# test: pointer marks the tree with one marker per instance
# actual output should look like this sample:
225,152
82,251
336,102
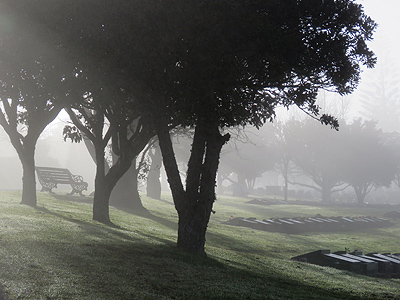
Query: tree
285,148
212,65
238,69
129,134
380,101
31,92
101,103
24,115
125,194
247,158
320,153
369,162
392,141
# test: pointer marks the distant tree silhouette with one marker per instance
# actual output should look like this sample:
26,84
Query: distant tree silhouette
380,100
246,158
369,163
319,153
358,155
285,149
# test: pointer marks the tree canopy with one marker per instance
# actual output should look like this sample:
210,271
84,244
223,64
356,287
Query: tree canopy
208,65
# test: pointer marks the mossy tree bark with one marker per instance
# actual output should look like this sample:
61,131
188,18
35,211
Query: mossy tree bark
194,204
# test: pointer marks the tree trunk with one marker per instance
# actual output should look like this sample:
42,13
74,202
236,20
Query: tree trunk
194,206
285,174
285,189
100,202
360,194
220,180
153,188
102,189
27,158
326,194
240,188
171,166
192,227
195,216
125,194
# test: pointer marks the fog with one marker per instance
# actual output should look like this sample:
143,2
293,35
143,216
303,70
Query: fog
111,91
51,151
377,98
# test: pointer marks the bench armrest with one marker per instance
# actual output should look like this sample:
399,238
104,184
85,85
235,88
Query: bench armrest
77,178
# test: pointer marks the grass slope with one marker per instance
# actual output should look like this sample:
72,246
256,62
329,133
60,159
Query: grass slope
57,252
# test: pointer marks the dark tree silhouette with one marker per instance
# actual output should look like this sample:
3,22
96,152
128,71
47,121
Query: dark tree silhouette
211,65
239,61
129,134
31,90
26,110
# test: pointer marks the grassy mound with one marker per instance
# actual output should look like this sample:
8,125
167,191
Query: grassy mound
57,252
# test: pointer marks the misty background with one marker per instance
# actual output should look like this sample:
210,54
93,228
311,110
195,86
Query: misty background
249,163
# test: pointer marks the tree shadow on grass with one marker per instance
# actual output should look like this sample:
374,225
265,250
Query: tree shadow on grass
100,231
222,240
140,212
148,215
159,264
218,239
73,198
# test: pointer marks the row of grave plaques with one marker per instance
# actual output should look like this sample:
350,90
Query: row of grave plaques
373,264
310,224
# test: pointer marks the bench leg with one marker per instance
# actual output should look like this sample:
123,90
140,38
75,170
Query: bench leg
44,189
76,191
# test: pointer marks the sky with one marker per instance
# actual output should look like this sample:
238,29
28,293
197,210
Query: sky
386,43
386,38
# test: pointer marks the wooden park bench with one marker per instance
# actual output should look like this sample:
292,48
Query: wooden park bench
50,177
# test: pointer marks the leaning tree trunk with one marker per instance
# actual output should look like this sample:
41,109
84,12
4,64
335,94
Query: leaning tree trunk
101,201
125,194
27,158
104,184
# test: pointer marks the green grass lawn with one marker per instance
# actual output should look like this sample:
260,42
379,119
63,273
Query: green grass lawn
57,252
